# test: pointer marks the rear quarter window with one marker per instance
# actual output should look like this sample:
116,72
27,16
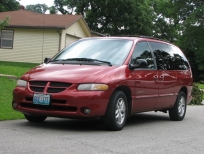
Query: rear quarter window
168,57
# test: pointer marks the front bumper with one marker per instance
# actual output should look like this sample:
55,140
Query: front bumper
69,103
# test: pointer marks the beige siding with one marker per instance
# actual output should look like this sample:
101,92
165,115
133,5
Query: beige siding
31,45
70,39
77,30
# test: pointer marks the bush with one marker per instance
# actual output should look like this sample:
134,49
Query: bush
197,95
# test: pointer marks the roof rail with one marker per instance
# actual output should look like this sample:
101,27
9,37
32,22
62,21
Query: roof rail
143,36
151,37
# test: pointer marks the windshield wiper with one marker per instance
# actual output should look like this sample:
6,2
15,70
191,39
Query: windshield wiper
87,59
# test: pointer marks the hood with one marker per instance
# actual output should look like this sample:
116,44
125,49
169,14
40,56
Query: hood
68,73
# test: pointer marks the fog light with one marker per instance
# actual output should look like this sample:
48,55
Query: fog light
14,104
87,111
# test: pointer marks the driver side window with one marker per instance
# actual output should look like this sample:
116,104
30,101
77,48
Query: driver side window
143,52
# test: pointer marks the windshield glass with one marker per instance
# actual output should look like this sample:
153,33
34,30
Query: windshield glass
114,51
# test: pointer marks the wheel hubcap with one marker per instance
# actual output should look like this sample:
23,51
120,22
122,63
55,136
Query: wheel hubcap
181,106
120,111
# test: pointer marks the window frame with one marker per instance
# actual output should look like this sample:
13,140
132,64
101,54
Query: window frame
12,39
150,50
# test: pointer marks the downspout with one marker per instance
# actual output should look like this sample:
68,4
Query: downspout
59,48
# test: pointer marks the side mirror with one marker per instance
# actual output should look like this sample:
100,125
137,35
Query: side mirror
140,63
46,59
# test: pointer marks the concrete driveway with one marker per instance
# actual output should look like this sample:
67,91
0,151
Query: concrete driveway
144,133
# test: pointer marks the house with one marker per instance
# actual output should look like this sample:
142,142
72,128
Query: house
30,36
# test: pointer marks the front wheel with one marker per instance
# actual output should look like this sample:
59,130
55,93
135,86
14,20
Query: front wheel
116,112
178,112
36,119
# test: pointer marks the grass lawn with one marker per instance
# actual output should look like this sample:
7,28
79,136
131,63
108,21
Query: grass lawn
6,110
15,68
201,86
7,86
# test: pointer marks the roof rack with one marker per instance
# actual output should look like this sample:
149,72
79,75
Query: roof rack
143,36
151,37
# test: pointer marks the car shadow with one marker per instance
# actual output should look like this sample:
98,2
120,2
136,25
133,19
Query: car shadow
93,125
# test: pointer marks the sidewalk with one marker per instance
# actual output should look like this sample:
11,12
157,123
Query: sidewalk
9,76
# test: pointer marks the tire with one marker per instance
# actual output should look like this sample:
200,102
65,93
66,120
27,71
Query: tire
116,112
177,113
35,119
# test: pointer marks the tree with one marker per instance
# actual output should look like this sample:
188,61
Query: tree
4,23
182,22
39,8
113,17
191,40
8,5
52,10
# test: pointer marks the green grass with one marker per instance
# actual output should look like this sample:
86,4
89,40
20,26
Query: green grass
15,68
201,86
6,110
7,86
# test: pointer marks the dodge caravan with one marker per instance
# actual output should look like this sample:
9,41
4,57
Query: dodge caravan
109,78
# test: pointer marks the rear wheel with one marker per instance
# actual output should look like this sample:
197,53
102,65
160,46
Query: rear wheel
178,112
116,112
35,118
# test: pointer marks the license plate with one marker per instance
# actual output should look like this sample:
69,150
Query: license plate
42,99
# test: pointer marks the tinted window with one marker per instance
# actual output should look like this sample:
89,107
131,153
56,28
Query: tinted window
168,57
180,61
163,56
142,51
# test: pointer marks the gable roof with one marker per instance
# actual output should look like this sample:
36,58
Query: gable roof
28,19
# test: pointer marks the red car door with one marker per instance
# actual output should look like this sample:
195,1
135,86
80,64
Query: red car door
146,84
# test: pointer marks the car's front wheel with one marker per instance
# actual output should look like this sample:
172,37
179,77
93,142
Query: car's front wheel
178,112
35,118
116,112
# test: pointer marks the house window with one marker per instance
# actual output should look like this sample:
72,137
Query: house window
6,38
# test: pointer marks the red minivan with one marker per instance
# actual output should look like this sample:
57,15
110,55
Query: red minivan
109,78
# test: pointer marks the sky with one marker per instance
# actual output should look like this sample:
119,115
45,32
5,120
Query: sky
28,2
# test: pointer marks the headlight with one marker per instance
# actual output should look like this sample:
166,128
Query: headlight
93,87
21,83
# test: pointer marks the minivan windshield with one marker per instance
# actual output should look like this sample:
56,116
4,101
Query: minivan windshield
111,51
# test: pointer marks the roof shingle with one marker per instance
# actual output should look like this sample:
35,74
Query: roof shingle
25,18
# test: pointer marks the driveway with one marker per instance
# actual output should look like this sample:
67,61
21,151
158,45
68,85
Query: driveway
144,133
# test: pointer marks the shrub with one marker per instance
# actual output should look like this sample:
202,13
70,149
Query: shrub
197,95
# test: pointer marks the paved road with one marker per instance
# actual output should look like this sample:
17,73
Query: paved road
144,133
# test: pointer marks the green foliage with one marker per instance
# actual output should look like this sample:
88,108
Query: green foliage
8,5
15,68
197,95
52,10
6,110
4,23
38,8
113,17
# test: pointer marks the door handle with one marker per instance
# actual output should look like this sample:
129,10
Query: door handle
161,77
155,77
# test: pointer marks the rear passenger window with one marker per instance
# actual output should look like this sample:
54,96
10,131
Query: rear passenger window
180,61
164,59
142,51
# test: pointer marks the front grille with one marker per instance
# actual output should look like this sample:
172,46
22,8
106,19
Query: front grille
59,84
52,87
37,89
55,90
38,83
